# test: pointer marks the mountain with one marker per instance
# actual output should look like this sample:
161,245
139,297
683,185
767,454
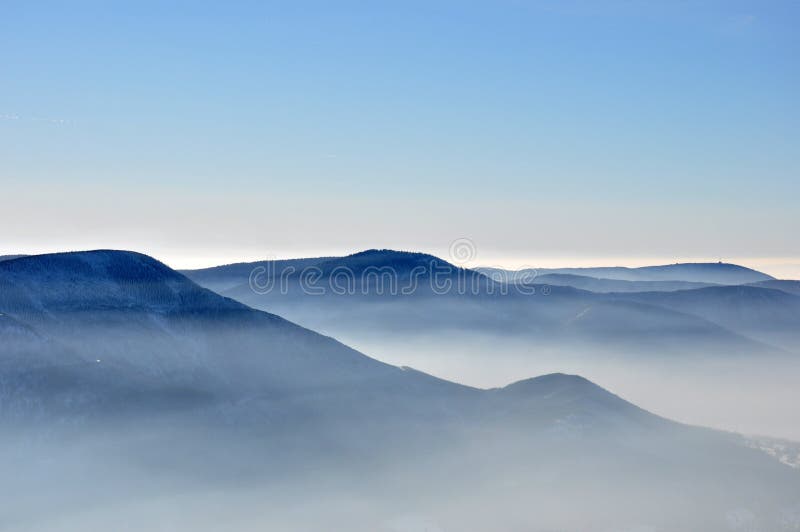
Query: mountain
221,278
111,280
385,292
141,322
558,395
371,272
116,326
790,287
129,312
127,391
709,273
768,314
594,284
10,257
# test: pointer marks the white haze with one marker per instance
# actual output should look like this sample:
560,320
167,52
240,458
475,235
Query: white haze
748,395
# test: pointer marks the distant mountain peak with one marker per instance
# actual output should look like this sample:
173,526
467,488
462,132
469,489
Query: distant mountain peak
400,261
697,272
94,261
571,401
392,254
551,383
562,387
389,252
99,279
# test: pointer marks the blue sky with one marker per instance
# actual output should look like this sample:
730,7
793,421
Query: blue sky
544,131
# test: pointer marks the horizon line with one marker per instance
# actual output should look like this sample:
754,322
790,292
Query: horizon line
786,267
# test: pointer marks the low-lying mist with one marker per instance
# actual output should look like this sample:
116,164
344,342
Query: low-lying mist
202,479
751,395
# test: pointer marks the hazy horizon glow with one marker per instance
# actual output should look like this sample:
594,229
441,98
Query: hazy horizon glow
779,267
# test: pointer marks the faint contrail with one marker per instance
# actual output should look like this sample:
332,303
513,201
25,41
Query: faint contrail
10,117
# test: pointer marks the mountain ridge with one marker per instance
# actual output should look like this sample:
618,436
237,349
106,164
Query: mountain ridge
699,272
84,272
171,381
474,302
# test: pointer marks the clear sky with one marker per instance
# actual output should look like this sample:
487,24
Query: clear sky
547,132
